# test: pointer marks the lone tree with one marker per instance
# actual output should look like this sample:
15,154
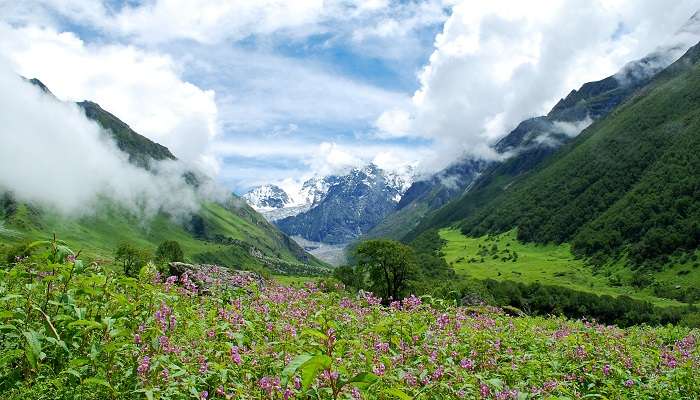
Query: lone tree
131,258
389,264
169,251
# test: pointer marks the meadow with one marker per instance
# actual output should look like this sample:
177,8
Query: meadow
71,330
503,257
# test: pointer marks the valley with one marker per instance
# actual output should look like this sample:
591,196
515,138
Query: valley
349,200
553,265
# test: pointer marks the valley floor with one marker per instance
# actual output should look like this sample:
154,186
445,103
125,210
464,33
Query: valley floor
503,257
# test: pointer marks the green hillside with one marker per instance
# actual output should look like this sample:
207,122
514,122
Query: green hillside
627,186
502,257
229,233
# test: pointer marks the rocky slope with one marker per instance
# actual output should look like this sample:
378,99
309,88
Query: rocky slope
351,206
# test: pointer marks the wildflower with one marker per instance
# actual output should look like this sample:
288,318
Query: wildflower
412,302
269,384
355,393
410,379
204,395
220,391
381,347
629,383
137,338
606,369
379,369
485,390
235,356
467,364
144,366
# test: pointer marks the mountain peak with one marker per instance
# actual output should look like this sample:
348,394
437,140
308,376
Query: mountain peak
267,197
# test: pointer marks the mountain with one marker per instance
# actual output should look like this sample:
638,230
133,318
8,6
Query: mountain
427,194
267,197
227,232
344,207
627,187
535,140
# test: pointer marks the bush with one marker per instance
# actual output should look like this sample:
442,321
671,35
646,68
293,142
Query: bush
169,251
131,258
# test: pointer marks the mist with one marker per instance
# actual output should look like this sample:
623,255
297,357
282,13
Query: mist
51,155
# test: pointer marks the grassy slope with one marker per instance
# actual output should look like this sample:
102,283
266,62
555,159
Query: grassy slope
225,233
101,234
547,264
611,187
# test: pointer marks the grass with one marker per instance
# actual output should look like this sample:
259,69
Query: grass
543,263
100,233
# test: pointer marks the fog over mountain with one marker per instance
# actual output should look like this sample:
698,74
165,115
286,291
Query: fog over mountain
54,156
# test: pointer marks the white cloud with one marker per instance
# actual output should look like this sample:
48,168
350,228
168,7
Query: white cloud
52,155
394,122
259,90
496,63
143,88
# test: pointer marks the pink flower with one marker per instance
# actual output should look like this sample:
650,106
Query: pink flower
467,364
235,356
485,390
144,365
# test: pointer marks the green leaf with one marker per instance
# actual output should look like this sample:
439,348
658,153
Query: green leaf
312,367
314,333
293,366
363,380
97,382
33,348
10,356
399,394
89,325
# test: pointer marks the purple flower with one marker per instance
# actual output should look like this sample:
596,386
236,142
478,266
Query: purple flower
485,390
467,364
144,365
629,383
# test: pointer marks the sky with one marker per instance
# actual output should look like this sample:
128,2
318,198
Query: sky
260,91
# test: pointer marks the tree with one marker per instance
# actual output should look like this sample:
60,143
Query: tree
131,258
350,276
389,264
169,251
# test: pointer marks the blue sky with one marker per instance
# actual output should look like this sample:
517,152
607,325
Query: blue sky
278,91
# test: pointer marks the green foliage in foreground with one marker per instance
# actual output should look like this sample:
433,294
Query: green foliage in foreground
72,331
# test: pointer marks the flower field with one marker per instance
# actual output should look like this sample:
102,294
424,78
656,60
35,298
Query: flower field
73,331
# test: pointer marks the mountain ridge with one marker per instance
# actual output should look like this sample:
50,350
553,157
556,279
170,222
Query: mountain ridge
227,232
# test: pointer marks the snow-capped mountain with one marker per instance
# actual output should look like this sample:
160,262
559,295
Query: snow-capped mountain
334,208
267,197
275,203
346,206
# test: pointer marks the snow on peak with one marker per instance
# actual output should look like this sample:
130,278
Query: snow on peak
267,197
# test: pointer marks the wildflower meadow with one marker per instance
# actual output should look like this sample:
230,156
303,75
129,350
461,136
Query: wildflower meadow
75,331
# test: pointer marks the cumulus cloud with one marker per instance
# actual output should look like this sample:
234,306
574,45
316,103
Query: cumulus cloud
497,63
143,88
52,155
